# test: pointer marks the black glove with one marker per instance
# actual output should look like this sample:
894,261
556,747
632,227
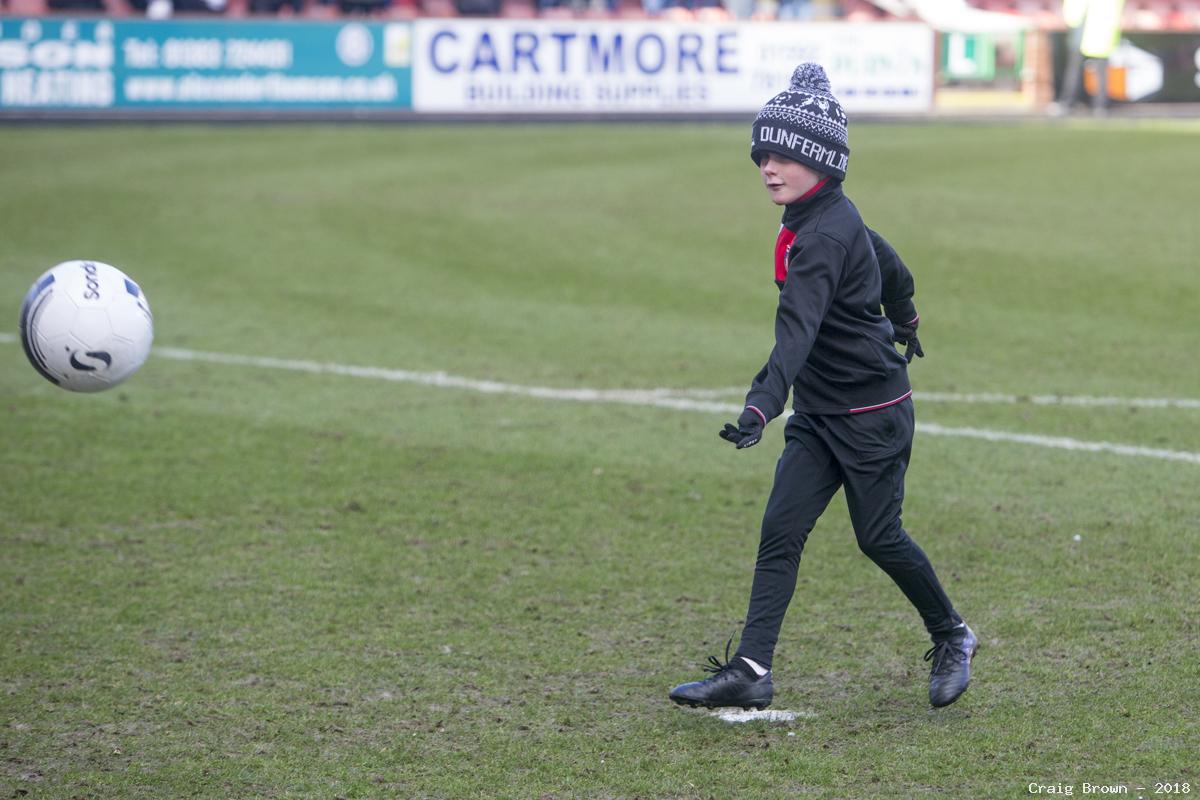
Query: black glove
748,431
907,335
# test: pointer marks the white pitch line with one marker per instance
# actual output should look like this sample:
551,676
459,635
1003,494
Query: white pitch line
1058,400
999,398
658,398
639,395
1060,442
653,397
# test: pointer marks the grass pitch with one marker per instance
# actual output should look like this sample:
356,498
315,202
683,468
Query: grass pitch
224,580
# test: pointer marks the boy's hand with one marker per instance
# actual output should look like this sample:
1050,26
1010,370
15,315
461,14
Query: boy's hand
907,336
748,431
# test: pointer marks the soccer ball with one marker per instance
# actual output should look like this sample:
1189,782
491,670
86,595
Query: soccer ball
86,326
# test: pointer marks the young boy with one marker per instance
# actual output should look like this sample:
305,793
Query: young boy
853,421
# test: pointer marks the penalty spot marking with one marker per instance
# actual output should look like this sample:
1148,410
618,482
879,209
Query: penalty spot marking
659,398
738,716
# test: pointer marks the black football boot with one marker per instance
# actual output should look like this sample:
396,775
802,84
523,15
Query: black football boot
733,683
951,670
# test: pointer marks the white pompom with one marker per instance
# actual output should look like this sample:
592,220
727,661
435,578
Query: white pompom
811,78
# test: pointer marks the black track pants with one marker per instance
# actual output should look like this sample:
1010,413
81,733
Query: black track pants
867,454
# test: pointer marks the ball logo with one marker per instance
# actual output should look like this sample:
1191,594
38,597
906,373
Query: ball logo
93,281
98,355
85,325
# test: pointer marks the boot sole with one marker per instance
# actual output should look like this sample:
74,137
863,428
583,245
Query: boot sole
753,705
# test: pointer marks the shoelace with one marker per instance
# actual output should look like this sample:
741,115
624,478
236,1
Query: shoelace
943,655
717,667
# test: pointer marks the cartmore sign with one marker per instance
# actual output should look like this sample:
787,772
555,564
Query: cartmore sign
129,64
493,66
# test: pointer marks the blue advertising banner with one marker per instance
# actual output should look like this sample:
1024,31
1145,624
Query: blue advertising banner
80,64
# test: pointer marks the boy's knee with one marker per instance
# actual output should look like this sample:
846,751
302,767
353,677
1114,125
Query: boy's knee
884,545
780,540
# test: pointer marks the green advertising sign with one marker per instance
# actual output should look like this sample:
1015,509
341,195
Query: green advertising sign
968,57
981,57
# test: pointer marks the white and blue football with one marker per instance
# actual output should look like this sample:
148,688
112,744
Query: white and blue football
86,326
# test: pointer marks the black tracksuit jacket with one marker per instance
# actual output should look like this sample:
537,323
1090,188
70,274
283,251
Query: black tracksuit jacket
833,341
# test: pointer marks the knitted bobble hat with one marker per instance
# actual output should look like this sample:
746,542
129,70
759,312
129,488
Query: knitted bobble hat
805,123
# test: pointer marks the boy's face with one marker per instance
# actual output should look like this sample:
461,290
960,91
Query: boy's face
786,180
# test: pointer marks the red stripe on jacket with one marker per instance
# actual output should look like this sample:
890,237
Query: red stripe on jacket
783,243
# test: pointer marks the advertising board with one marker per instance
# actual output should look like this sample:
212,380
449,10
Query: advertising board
98,64
523,66
1145,67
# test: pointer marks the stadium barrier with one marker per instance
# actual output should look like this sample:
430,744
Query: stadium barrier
450,66
431,67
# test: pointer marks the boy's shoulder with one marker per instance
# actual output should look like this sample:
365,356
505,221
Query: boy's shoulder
838,220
